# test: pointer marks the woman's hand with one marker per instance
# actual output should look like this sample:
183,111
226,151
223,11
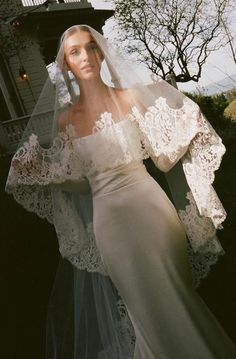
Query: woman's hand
164,163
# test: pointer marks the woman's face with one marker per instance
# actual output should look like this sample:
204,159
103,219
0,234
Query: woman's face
82,55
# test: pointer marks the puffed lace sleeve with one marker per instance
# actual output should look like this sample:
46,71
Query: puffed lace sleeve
177,130
34,170
51,183
170,134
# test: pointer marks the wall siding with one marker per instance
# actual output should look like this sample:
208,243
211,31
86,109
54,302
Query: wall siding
35,67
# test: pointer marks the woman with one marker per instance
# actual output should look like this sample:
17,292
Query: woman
131,292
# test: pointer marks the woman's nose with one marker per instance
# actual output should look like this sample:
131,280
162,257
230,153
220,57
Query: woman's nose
84,55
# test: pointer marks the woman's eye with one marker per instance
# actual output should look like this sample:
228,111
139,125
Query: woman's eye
75,52
93,47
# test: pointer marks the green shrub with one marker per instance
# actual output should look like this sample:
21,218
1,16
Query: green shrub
230,111
213,108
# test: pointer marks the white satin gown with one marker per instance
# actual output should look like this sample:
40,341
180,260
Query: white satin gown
143,247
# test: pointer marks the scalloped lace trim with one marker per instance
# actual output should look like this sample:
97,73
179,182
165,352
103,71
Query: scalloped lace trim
86,256
76,240
167,130
126,335
204,158
204,248
201,262
200,229
34,165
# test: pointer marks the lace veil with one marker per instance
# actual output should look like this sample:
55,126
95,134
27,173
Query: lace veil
49,176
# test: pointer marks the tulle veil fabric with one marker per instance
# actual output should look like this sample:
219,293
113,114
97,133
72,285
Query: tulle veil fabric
86,316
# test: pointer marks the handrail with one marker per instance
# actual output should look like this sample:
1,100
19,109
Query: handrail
40,2
11,131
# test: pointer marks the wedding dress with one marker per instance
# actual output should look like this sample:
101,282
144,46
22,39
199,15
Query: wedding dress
144,251
142,247
130,293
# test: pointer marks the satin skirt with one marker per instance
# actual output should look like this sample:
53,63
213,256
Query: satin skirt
143,246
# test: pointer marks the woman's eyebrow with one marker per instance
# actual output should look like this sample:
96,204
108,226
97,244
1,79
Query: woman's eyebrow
77,45
91,42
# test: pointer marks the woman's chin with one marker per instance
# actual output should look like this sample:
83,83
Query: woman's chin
91,75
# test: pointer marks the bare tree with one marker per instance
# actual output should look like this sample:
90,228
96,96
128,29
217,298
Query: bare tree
226,21
171,36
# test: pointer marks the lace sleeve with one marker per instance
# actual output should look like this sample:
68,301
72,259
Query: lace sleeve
35,169
33,164
50,182
167,132
170,134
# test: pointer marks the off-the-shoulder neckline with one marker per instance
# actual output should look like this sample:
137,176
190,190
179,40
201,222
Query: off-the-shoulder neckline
133,115
100,125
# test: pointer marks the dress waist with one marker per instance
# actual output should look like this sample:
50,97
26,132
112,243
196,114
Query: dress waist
117,178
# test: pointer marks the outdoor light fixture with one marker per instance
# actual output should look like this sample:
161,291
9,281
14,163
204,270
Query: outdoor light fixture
22,73
15,23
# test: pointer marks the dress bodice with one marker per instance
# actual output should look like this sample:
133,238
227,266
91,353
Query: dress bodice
111,157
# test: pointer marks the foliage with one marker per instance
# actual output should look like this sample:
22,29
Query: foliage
12,40
9,9
231,94
213,107
230,111
228,24
171,35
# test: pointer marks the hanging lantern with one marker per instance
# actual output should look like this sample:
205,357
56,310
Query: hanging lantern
23,74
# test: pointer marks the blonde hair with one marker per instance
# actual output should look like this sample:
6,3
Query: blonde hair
71,30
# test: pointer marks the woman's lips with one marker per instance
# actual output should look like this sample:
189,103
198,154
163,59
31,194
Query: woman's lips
87,67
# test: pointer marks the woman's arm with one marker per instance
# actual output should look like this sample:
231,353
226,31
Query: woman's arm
163,162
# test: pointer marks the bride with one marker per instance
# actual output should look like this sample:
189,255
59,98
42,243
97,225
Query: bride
135,255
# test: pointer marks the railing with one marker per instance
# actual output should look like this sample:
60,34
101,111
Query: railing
11,131
40,2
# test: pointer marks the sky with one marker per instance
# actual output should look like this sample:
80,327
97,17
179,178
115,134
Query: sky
218,65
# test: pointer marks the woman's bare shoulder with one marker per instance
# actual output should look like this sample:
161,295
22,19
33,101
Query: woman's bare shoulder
129,95
133,98
66,118
62,120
